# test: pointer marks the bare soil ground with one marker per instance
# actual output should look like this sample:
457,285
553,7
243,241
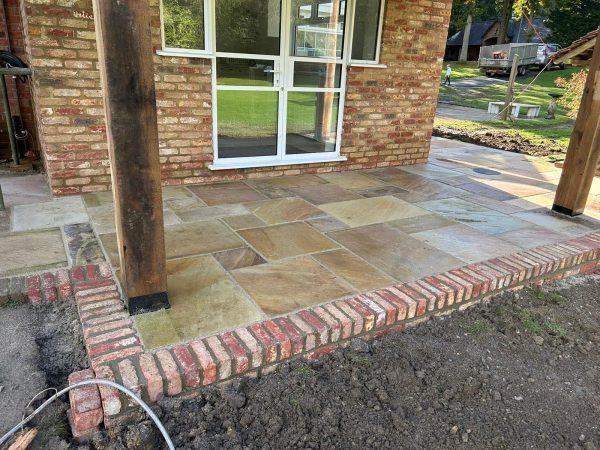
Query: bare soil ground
41,346
499,139
519,372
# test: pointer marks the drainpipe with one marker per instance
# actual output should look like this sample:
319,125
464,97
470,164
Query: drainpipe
6,107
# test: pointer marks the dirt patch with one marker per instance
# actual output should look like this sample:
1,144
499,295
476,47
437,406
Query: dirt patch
500,139
519,372
44,345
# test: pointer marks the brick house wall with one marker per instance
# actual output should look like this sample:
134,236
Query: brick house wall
388,117
12,39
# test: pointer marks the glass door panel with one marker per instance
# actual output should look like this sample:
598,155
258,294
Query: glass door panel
317,75
248,26
317,28
247,72
312,120
247,123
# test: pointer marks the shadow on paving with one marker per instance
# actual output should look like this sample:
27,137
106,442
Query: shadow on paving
519,372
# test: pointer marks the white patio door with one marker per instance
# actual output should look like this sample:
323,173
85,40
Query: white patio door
278,81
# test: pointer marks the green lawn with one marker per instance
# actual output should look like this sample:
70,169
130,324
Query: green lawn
541,130
461,70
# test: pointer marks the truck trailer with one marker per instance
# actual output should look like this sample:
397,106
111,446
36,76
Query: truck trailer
498,59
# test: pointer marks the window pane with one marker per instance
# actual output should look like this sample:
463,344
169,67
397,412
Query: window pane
320,34
248,26
244,72
319,75
184,24
247,123
312,122
366,30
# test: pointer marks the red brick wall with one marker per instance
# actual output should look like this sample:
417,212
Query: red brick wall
12,39
388,117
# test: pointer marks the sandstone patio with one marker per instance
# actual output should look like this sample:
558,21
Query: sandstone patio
242,252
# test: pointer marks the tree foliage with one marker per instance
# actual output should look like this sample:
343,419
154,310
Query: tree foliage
478,9
571,19
574,88
184,23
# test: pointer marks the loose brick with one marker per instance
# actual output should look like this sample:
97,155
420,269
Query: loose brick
111,401
64,284
429,297
419,299
393,299
85,398
370,305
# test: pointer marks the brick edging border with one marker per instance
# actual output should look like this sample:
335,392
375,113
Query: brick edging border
117,353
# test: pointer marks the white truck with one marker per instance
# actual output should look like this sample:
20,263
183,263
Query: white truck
498,59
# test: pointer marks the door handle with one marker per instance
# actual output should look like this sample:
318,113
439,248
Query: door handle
271,71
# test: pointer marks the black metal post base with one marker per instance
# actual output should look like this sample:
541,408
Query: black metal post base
148,303
565,211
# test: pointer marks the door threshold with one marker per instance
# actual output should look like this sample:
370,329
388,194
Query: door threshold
228,165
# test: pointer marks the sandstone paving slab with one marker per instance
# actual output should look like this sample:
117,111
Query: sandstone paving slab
238,258
466,243
287,240
55,213
351,180
429,170
285,286
223,193
186,239
203,301
200,213
571,226
532,237
31,251
355,270
476,216
356,213
283,210
103,218
394,252
488,191
382,191
317,194
422,223
326,223
243,222
288,181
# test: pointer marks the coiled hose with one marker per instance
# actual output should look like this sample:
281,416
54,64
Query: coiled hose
112,384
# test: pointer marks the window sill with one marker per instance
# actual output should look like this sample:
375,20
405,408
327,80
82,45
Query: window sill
369,65
225,165
184,54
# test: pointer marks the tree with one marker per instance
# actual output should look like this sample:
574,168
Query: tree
505,16
478,9
571,19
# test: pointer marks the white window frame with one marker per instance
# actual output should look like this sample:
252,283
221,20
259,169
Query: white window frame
190,52
367,63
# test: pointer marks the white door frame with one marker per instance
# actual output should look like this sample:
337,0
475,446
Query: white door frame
285,63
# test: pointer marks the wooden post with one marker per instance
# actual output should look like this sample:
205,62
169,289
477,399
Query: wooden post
510,89
584,149
125,54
